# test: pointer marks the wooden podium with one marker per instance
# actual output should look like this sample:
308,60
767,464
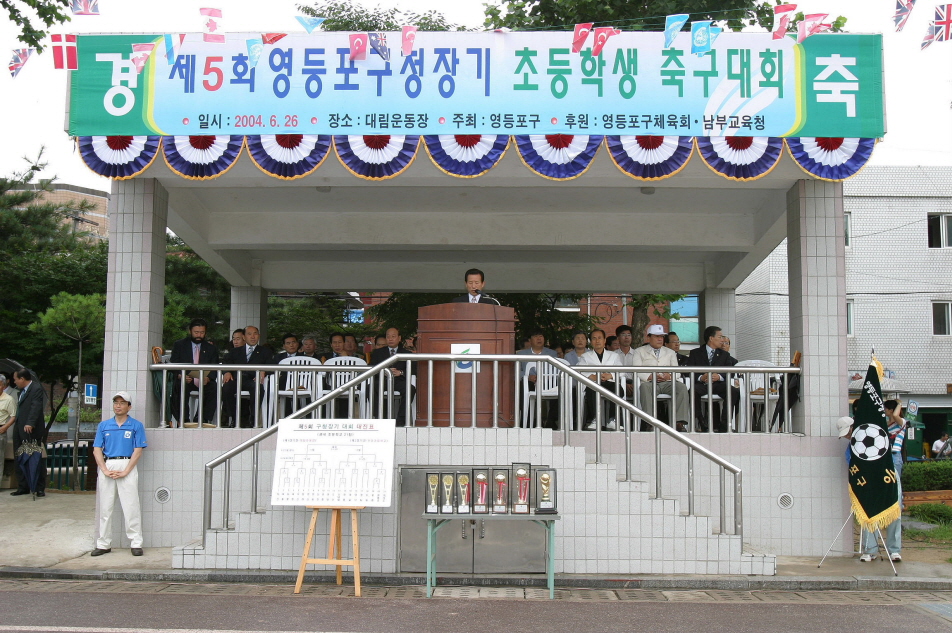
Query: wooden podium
493,329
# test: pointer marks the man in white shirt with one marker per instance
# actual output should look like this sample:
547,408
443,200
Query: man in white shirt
655,354
601,357
942,447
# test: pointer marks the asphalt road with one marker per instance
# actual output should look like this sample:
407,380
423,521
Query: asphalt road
82,612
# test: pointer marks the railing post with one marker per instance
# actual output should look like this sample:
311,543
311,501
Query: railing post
739,505
226,495
162,406
722,477
429,394
495,394
207,504
690,482
472,399
254,478
657,448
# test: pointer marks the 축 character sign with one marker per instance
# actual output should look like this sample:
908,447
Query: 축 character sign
482,83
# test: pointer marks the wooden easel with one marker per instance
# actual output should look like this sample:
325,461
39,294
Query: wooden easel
333,546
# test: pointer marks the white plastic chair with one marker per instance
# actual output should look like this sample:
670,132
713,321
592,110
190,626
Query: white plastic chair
548,382
338,378
298,385
753,383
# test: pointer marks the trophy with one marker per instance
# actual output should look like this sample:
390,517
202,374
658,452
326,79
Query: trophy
448,493
432,493
545,495
481,498
500,491
462,500
520,491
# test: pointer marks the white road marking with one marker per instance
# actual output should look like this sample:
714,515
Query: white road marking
99,629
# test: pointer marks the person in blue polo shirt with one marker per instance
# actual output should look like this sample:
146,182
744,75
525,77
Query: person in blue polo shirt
117,447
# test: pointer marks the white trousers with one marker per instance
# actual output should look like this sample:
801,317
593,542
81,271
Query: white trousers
128,489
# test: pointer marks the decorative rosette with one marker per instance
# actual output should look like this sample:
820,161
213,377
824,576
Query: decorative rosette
831,158
466,155
289,156
650,157
740,157
377,157
201,157
558,156
119,157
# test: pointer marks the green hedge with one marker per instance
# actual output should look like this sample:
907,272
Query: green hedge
93,416
922,476
932,513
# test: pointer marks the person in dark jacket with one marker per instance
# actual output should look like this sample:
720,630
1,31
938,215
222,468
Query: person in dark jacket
30,426
711,355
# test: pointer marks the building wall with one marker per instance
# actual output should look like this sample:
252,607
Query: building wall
96,220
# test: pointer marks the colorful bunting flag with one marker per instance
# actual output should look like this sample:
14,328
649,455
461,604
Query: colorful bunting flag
309,23
358,47
64,52
84,7
20,56
700,36
715,31
378,42
943,22
672,26
255,47
929,38
408,40
271,38
602,34
903,11
783,13
173,42
211,27
140,55
581,34
811,25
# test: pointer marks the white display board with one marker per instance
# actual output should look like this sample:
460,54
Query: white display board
334,463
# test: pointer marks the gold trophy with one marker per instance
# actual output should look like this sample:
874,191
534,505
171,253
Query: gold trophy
448,493
463,491
434,483
546,480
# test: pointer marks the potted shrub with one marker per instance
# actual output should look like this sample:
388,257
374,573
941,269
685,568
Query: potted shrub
927,482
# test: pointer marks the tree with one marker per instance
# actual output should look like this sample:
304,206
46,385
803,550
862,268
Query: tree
347,15
643,306
317,315
193,290
646,15
49,12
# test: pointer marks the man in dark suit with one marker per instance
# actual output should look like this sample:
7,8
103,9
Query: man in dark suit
30,426
475,280
195,350
673,342
399,370
251,353
711,355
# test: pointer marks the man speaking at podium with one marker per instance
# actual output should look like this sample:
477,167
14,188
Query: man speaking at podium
475,280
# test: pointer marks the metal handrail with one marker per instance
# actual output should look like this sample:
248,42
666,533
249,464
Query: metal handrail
368,372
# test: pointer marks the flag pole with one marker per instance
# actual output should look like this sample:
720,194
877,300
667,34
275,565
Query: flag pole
836,538
882,540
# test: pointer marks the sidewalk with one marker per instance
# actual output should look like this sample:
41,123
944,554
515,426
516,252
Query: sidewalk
52,537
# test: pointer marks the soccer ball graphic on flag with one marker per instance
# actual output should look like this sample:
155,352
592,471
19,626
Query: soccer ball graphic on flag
869,442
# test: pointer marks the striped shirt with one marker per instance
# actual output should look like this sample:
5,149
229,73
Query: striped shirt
897,434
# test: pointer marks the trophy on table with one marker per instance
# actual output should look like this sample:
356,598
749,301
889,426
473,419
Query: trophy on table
481,493
545,495
463,492
522,474
500,490
432,493
448,493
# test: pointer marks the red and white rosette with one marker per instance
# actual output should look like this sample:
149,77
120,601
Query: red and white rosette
376,157
289,156
740,157
650,157
119,157
466,155
558,156
202,157
831,158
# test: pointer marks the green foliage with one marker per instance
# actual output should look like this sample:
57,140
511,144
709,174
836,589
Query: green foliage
533,311
346,15
24,14
193,290
77,321
937,513
647,15
317,315
924,476
86,415
643,306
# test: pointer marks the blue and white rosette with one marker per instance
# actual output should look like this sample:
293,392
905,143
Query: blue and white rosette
119,157
740,157
831,158
466,155
376,157
650,157
202,157
558,156
289,156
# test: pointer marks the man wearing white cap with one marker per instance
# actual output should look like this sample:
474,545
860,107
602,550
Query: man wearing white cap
117,448
655,354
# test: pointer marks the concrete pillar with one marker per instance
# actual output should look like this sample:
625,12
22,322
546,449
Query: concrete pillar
816,269
249,306
135,293
717,308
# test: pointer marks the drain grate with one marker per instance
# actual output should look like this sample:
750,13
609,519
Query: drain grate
535,593
502,592
406,592
456,592
688,596
640,595
778,596
731,596
593,594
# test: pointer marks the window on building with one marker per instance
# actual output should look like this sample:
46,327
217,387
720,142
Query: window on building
687,324
848,227
942,318
940,230
849,318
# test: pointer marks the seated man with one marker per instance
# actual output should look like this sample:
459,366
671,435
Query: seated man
942,447
194,350
600,356
250,353
673,342
399,371
537,348
309,347
655,354
350,345
711,355
579,347
238,338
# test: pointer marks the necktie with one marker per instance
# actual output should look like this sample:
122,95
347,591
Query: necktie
472,298
657,353
195,351
393,351
710,356
251,350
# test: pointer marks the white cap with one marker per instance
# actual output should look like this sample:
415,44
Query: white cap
656,329
844,424
124,395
